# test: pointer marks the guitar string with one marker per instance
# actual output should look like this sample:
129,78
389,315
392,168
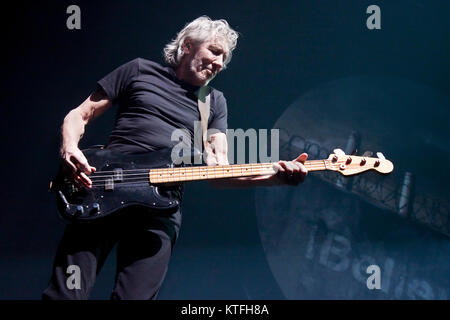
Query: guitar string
176,169
308,163
168,168
318,162
186,177
246,164
190,171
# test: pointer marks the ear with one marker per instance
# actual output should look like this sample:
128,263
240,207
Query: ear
187,46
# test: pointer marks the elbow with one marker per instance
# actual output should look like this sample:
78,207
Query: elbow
86,114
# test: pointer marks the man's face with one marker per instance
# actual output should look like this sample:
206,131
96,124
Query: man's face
203,61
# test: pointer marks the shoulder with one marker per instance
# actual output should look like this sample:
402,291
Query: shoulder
126,69
218,102
217,94
132,64
149,65
217,97
141,63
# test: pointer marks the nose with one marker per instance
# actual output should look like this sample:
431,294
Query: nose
218,62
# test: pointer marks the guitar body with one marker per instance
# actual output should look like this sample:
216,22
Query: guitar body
121,181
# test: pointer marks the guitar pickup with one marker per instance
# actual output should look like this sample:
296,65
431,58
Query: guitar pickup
118,175
109,184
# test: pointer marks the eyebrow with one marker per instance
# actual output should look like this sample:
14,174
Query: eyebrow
217,47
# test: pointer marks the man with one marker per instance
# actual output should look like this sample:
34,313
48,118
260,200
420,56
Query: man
153,101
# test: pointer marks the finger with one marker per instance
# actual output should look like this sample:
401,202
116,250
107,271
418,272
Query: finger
291,168
302,158
277,167
82,163
77,181
85,167
298,175
297,166
303,169
86,181
281,166
69,164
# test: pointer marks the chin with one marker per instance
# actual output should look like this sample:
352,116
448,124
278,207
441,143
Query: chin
202,80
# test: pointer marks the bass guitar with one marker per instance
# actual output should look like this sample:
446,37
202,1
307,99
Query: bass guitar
153,181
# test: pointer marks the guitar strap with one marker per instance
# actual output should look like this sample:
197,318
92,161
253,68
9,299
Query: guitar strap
204,106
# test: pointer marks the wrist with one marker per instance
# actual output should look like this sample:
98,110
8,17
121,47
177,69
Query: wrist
65,147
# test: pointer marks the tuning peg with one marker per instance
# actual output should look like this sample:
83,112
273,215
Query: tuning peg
367,154
380,156
339,152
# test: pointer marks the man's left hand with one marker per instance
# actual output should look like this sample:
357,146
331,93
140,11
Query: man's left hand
291,172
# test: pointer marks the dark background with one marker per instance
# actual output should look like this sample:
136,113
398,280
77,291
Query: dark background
285,49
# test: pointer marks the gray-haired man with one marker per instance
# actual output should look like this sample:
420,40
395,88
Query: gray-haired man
153,100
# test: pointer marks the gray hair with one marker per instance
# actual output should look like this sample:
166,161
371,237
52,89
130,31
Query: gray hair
200,30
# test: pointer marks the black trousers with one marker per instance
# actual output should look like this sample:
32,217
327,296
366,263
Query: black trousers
144,246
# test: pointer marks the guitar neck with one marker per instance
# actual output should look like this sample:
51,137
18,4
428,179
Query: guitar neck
167,175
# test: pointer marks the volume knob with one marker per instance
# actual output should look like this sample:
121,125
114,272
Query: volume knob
95,208
79,210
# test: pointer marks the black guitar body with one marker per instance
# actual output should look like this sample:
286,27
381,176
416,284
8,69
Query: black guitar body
121,181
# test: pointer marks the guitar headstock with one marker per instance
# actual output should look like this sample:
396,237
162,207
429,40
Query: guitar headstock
349,165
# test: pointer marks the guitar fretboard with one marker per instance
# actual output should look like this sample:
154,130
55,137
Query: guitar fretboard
166,175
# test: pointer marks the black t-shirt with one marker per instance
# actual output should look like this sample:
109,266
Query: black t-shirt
152,104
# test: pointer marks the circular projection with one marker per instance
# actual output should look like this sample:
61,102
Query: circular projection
320,237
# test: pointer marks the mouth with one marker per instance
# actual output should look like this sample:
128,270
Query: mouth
206,72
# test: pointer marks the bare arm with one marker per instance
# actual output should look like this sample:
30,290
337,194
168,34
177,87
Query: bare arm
72,131
288,172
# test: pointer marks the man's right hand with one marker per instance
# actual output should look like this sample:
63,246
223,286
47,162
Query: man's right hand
77,165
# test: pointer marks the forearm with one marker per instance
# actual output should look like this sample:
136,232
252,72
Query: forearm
76,120
72,129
